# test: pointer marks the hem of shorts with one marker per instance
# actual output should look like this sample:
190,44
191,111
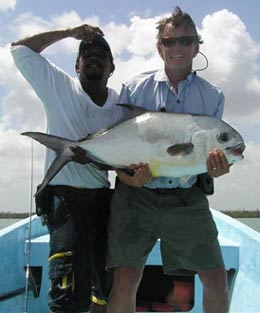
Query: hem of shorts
171,271
113,265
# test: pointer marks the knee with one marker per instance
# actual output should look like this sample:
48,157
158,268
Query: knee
215,280
127,279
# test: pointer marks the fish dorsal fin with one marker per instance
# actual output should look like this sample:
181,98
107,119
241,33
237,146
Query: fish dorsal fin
180,149
133,110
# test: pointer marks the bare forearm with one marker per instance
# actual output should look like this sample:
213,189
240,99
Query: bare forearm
43,40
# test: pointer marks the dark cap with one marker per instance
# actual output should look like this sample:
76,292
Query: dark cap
98,41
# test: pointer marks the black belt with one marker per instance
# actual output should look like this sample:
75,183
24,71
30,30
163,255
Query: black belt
95,191
165,191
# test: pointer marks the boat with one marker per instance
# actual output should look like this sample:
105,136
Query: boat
24,284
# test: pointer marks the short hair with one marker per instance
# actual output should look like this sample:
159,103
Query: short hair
177,18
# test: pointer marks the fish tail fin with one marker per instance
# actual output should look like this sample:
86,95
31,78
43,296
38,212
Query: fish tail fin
54,168
63,150
55,143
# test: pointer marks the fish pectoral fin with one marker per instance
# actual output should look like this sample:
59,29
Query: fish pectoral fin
180,149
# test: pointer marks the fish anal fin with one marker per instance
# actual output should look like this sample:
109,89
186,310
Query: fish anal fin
180,149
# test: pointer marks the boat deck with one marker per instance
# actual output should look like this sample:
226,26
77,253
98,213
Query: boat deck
230,250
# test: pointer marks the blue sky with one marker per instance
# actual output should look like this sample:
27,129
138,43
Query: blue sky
231,34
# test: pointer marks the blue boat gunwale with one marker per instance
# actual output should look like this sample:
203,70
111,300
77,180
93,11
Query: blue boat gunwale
234,237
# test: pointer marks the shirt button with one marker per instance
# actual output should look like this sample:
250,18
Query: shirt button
178,101
170,181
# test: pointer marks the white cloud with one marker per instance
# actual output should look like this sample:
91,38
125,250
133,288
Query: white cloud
143,36
6,5
21,107
233,65
15,163
233,62
240,188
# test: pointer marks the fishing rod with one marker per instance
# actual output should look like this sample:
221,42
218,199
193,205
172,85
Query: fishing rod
28,241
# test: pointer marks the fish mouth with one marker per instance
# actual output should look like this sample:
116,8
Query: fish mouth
237,149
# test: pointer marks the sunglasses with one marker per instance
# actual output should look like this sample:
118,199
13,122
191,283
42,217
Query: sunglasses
183,41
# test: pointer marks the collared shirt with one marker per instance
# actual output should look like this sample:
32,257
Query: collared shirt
153,91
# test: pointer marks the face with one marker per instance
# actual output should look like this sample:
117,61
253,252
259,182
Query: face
94,64
178,57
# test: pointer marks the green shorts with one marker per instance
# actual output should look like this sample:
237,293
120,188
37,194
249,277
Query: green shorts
180,218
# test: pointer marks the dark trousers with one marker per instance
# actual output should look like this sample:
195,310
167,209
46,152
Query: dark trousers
77,223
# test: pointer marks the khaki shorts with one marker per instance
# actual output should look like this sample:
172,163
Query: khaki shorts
179,217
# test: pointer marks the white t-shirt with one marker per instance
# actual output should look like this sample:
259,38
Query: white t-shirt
70,113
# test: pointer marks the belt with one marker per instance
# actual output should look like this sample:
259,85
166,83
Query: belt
165,191
63,189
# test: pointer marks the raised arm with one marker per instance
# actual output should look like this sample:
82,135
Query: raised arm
41,41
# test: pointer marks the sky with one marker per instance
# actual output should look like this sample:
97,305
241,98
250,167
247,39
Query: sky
231,33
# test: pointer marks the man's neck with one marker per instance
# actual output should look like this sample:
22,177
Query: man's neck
176,77
97,91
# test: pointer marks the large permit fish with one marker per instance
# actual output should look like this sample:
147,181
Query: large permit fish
173,144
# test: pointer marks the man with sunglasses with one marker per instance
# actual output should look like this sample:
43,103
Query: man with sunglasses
172,209
76,204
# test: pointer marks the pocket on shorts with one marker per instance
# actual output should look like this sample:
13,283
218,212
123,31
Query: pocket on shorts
124,217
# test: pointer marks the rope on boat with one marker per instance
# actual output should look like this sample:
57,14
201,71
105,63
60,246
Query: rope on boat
28,241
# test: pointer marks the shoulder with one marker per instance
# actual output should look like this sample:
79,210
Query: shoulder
140,79
112,93
206,85
112,98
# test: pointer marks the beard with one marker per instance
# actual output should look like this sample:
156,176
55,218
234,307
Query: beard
94,76
94,73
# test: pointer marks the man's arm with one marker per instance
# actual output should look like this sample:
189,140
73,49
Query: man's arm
142,175
41,41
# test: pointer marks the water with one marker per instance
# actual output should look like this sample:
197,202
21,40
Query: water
4,222
251,222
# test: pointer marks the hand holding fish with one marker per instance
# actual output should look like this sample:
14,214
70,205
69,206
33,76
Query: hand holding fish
142,175
85,32
217,163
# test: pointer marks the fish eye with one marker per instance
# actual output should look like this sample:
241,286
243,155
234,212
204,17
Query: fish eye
223,137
